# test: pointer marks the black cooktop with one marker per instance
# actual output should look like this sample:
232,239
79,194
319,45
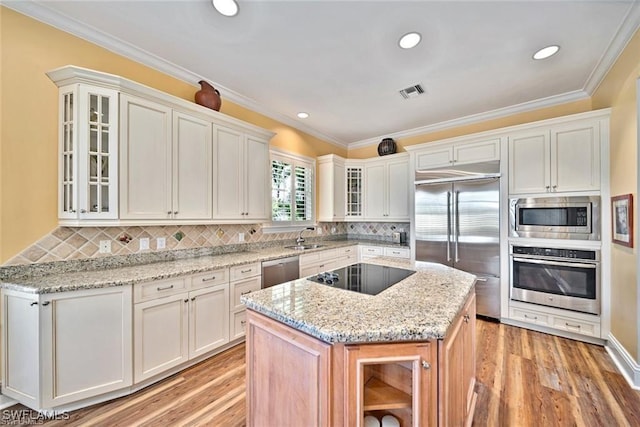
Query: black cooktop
364,278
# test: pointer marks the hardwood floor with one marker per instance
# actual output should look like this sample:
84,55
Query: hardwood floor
524,378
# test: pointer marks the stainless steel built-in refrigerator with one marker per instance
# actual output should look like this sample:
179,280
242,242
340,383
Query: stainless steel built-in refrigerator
457,224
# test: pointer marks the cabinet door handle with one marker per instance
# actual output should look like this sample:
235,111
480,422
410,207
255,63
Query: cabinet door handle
175,212
209,279
168,212
165,288
193,298
246,271
83,211
426,365
245,292
530,317
46,303
569,325
186,300
34,303
243,322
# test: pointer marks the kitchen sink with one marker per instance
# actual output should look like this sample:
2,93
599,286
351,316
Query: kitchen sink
303,247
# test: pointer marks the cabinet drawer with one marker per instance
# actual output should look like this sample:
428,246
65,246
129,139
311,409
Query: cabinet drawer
242,287
316,257
372,251
529,316
576,326
210,278
243,271
238,322
346,251
398,252
158,288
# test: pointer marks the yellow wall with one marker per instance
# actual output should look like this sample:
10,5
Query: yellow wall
28,135
618,91
516,119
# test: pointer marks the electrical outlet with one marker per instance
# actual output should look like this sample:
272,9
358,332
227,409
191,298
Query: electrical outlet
144,243
105,246
318,230
240,237
161,243
333,230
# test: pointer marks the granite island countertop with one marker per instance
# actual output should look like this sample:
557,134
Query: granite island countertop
418,308
100,273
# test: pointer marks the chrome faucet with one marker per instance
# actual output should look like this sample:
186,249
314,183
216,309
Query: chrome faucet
300,240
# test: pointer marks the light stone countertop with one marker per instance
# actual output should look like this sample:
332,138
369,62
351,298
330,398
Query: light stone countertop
54,280
418,308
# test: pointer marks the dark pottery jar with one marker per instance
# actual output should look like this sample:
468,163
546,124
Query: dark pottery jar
208,96
387,146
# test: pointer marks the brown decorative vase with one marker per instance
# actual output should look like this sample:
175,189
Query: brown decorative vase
208,96
387,146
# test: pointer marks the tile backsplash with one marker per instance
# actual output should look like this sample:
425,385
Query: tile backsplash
72,243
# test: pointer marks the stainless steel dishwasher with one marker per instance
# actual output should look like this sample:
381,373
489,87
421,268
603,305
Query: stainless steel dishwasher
280,271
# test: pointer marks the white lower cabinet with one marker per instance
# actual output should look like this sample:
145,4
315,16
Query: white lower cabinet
245,278
566,321
60,348
170,330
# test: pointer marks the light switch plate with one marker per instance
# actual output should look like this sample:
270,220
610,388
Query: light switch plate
105,246
144,243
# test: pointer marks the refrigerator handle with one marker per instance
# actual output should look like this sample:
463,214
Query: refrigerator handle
449,221
456,224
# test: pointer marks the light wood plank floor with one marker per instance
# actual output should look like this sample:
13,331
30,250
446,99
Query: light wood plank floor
525,379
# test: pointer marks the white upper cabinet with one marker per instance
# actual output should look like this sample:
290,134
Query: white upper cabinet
331,194
145,175
130,154
386,189
447,155
561,158
88,154
192,167
242,176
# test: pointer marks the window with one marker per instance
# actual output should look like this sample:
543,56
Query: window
292,189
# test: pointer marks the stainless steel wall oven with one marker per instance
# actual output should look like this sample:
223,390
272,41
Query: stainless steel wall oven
556,277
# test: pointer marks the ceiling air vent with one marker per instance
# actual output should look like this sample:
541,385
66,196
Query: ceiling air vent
412,91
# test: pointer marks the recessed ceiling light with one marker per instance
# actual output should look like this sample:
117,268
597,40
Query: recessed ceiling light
410,40
303,115
226,7
546,52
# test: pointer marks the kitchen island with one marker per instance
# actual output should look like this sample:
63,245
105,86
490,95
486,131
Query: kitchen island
322,356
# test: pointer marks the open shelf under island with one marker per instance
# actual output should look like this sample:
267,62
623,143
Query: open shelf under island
321,356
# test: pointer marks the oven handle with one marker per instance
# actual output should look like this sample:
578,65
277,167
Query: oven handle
562,264
449,226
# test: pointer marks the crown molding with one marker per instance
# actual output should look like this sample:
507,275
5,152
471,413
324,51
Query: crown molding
629,26
478,118
40,12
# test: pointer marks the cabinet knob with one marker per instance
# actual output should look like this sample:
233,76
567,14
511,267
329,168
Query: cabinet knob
547,187
426,365
186,300
175,212
243,322
168,212
193,298
555,187
72,211
466,318
83,211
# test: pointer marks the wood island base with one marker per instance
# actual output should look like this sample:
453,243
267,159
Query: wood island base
296,379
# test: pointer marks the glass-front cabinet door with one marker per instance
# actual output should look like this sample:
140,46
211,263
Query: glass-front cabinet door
88,153
395,384
354,192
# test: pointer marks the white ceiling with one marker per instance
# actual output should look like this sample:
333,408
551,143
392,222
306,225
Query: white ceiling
339,60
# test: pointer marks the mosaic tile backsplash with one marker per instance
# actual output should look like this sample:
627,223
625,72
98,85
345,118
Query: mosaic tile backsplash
74,243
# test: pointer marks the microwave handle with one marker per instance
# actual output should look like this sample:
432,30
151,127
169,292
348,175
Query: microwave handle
558,263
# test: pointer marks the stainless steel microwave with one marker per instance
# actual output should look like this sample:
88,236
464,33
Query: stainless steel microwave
556,217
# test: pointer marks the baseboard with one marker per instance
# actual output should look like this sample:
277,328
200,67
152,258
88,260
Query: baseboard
627,366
